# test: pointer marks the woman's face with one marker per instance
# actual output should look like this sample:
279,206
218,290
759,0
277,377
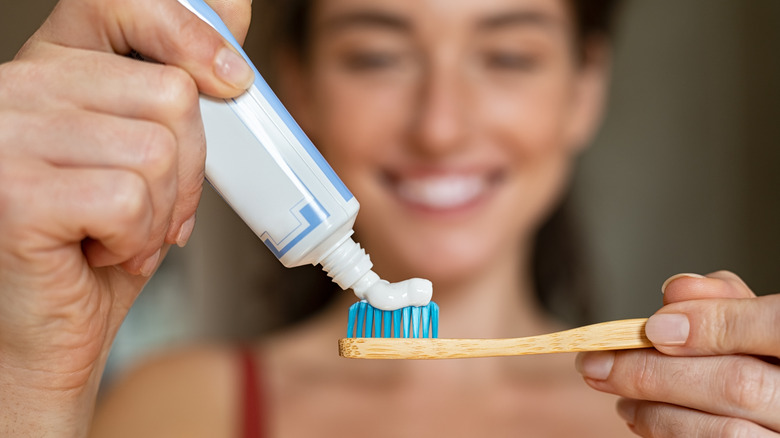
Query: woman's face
454,123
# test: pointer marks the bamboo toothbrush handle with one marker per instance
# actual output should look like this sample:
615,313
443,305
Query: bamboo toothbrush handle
613,335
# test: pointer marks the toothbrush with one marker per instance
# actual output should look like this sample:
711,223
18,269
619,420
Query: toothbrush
613,335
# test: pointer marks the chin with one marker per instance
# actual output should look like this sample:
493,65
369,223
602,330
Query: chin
441,262
457,273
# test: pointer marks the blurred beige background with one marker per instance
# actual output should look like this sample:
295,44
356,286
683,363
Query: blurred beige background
684,176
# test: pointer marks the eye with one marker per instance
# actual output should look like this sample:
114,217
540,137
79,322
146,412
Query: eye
509,60
367,61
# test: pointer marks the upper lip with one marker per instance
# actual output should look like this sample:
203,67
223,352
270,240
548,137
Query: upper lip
396,174
456,166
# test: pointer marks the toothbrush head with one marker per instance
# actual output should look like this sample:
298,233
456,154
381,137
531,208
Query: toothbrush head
365,321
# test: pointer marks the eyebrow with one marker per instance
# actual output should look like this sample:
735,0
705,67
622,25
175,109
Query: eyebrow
517,18
397,23
367,18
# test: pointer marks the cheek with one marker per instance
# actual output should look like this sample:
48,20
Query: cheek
530,123
530,119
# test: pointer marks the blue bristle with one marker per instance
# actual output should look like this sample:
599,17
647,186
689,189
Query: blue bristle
397,323
369,326
408,322
415,322
426,318
377,323
434,308
360,332
351,322
388,319
407,312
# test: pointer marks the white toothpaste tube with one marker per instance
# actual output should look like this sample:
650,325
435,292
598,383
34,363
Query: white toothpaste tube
267,169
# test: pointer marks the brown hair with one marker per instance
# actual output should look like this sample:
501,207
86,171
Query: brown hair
288,21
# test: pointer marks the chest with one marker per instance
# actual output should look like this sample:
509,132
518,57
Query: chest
451,412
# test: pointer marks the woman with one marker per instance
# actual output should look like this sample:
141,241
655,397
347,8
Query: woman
406,99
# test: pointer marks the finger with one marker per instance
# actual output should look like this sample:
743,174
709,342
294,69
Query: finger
652,419
732,386
68,78
77,138
154,92
84,139
49,211
161,30
718,326
236,14
721,284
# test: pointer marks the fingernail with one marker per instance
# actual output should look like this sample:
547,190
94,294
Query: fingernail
675,277
627,410
595,365
185,231
233,69
668,329
149,265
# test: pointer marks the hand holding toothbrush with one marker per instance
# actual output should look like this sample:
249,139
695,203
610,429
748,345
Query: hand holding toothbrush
101,167
715,371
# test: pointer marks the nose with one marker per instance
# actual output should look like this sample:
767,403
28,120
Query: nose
439,120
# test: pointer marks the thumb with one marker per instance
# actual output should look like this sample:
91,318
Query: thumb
163,30
721,315
720,284
236,14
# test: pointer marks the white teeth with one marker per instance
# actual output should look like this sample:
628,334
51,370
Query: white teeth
441,192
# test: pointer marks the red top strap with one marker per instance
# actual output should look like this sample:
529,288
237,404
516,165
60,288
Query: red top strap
252,420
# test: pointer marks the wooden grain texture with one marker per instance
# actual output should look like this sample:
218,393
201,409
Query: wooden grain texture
613,335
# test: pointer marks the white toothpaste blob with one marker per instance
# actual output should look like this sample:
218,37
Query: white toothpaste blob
350,267
382,294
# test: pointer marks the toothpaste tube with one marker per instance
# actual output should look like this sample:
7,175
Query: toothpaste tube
270,173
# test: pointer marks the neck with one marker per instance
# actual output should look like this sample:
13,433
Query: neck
498,303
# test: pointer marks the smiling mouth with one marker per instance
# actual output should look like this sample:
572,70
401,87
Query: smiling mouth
444,192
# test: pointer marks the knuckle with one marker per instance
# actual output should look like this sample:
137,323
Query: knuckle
719,328
645,376
735,428
158,154
190,30
129,197
749,387
178,91
655,420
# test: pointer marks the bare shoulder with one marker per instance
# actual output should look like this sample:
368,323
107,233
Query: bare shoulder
190,392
